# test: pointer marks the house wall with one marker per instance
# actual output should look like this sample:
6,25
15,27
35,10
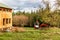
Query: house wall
0,19
7,16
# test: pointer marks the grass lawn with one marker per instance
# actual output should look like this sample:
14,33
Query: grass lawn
32,34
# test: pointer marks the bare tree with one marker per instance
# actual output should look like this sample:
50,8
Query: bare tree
57,4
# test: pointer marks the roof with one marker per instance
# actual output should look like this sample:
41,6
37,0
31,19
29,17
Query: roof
5,6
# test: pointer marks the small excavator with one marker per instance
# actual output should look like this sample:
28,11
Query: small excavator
40,25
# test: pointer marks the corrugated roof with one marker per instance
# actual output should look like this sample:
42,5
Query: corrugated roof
5,6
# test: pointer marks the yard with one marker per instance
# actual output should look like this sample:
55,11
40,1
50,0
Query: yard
32,34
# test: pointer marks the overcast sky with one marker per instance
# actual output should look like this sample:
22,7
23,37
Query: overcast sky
24,4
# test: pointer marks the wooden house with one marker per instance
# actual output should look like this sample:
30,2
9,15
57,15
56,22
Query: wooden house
5,16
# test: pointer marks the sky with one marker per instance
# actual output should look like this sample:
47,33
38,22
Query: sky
24,5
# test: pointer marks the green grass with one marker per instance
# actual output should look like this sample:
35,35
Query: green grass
49,34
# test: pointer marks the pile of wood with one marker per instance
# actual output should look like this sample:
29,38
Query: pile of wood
13,29
17,29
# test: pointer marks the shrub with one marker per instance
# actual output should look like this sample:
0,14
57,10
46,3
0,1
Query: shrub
20,20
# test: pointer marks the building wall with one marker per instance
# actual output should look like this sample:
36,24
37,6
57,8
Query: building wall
0,19
7,17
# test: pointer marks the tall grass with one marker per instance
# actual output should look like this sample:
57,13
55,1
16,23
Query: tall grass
50,34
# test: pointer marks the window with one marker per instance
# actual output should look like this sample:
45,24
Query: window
7,21
3,21
4,9
10,10
7,10
0,9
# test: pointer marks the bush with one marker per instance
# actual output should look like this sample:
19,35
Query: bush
20,20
